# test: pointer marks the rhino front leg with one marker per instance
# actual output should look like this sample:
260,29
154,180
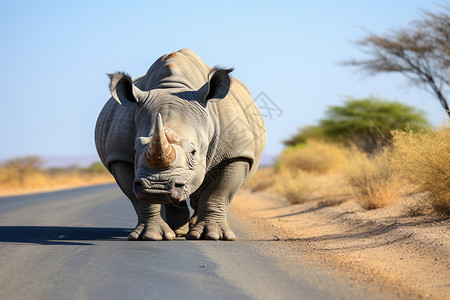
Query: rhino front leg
124,175
214,200
150,225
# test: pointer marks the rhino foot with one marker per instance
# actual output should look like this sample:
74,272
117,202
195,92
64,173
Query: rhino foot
153,231
151,226
211,230
193,220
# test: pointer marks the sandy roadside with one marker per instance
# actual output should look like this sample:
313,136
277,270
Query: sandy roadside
408,255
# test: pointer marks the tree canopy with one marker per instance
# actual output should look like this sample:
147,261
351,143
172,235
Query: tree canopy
304,134
365,123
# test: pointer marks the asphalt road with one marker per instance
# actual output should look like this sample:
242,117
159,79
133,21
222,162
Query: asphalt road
72,245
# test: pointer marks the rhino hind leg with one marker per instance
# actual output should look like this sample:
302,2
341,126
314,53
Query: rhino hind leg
177,217
214,198
123,173
151,225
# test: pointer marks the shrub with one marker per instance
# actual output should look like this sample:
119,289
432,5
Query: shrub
295,186
373,179
315,157
424,158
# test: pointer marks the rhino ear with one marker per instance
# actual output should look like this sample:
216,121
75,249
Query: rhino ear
217,86
124,91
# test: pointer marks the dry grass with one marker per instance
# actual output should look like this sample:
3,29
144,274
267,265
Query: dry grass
262,180
315,157
416,165
40,180
424,158
302,169
373,178
295,186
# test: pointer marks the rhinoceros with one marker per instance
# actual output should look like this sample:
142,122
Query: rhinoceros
183,130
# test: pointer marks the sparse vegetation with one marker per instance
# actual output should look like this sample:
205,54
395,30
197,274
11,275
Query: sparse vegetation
22,171
25,174
314,157
374,180
301,168
424,159
296,186
415,164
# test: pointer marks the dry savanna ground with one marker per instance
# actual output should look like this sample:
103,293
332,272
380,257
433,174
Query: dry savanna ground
25,175
382,217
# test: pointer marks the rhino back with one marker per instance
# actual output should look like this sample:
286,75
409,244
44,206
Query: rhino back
181,69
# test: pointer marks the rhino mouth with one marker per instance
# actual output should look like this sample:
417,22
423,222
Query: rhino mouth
160,191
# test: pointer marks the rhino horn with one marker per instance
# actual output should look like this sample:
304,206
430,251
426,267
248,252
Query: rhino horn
160,153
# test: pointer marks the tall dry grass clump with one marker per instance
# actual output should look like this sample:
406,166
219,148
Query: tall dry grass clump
296,186
373,179
315,157
424,158
299,166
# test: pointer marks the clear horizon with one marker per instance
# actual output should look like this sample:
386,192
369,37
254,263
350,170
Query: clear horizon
55,55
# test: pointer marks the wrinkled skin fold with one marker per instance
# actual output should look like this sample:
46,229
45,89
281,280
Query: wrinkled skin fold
182,131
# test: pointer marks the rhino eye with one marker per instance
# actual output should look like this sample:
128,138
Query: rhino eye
191,158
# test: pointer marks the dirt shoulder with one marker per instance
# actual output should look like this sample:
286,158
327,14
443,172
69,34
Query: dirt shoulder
408,255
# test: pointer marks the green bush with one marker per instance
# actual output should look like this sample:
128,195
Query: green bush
367,123
304,134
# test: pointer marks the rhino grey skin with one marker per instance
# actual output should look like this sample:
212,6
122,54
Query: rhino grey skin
182,130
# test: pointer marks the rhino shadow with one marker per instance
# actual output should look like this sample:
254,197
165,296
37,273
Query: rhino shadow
57,235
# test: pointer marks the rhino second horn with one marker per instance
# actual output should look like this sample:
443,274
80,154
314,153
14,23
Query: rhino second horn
160,153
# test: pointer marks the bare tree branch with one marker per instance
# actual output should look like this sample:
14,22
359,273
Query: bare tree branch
421,53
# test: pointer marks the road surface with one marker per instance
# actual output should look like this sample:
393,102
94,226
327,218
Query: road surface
72,245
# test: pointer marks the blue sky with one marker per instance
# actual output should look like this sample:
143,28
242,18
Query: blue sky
54,56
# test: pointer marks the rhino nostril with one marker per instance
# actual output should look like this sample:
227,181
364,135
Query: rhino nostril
179,185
